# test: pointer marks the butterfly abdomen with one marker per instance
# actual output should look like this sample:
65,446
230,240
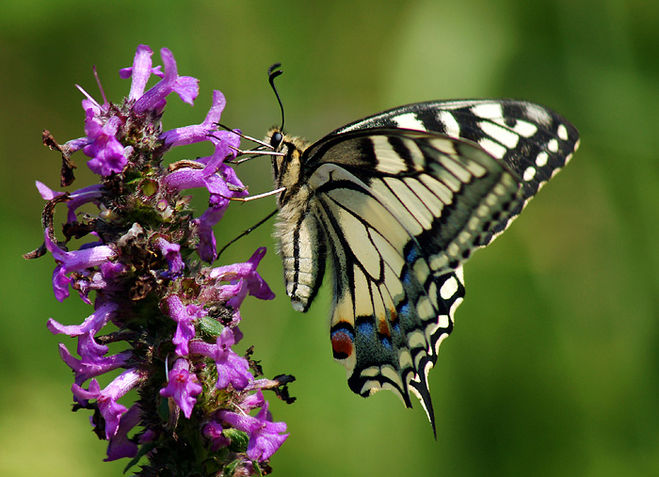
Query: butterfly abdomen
301,243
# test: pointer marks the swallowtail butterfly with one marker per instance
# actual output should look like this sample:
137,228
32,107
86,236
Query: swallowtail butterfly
396,203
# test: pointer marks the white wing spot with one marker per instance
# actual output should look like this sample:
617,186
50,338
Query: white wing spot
464,237
424,308
538,114
438,261
449,288
370,372
443,321
452,128
416,339
562,132
409,121
552,145
494,148
488,110
541,160
404,359
525,128
529,173
389,372
502,135
432,294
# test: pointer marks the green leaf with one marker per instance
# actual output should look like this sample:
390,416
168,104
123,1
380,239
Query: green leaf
208,327
239,439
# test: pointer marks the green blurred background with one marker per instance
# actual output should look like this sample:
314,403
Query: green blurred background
553,368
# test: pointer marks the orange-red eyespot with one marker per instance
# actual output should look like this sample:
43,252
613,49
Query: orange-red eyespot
342,344
383,327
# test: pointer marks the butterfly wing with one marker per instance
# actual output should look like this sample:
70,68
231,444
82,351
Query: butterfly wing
400,210
533,141
398,201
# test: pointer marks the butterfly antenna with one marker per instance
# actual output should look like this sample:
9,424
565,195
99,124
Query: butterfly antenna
273,72
249,230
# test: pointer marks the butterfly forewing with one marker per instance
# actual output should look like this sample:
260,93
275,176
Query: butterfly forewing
398,202
534,142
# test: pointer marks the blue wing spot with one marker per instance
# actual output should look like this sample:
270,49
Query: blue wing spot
405,277
412,254
386,342
365,327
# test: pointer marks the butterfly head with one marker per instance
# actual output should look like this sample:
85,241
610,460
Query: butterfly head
286,165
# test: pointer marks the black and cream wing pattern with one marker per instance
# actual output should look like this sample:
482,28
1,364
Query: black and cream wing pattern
396,203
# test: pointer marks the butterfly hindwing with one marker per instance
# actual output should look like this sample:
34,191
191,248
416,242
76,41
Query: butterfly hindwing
390,311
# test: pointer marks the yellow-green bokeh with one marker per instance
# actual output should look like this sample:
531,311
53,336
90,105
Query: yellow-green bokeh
553,368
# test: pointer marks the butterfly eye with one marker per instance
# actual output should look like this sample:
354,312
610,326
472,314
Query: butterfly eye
276,139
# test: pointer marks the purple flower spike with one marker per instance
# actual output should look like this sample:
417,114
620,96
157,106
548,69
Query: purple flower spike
184,318
93,323
84,369
231,368
76,199
171,253
265,437
107,153
154,99
153,303
182,386
187,88
107,399
80,259
200,132
120,446
244,279
252,401
213,430
46,192
207,246
141,71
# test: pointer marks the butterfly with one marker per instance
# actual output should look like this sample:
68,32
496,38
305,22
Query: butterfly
396,203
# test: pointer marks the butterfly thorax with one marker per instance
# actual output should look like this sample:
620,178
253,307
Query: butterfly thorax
286,168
